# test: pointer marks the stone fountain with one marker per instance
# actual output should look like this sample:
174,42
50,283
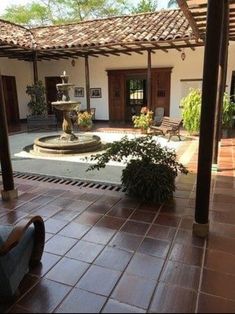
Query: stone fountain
68,142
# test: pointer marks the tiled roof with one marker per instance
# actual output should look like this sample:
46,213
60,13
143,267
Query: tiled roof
12,34
165,25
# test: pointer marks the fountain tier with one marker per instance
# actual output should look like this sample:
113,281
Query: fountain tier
68,142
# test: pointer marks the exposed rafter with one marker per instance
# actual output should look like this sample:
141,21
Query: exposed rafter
184,7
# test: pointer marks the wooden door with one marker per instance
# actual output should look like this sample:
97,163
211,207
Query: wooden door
161,86
51,96
51,91
116,97
11,100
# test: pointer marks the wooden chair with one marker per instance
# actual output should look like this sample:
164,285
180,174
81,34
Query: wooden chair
169,126
21,246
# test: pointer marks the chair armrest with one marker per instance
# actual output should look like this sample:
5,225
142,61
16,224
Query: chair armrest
18,232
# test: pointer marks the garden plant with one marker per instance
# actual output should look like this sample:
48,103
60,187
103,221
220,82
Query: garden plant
150,170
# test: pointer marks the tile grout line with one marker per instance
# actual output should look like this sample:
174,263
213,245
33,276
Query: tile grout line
201,276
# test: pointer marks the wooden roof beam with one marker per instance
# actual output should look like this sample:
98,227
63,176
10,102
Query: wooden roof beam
189,45
184,7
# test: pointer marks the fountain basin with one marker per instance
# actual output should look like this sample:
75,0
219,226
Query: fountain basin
53,145
65,106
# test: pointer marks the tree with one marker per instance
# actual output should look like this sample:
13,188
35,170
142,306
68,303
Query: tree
44,12
34,13
172,3
145,6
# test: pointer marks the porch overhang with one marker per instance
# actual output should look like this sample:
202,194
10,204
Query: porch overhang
196,13
12,51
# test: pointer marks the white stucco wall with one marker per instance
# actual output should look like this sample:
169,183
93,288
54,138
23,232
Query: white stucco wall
23,72
190,68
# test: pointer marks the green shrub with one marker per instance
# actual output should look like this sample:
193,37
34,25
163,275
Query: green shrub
144,120
191,105
37,104
228,112
151,169
192,111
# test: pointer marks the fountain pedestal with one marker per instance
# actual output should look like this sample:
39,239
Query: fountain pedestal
68,142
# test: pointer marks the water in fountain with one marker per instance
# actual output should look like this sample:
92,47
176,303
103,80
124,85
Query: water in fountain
68,142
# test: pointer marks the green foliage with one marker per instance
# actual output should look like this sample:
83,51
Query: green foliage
144,120
228,112
29,14
192,111
150,171
172,3
149,181
37,104
42,12
85,119
145,6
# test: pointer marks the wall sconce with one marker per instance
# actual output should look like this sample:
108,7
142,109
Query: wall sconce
73,63
183,55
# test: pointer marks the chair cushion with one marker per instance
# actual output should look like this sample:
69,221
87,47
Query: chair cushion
15,265
4,233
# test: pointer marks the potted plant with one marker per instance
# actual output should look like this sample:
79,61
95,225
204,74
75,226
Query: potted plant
85,121
37,104
38,117
150,169
144,120
228,114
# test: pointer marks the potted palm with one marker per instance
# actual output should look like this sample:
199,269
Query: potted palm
144,120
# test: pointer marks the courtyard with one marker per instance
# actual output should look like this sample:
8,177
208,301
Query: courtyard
143,257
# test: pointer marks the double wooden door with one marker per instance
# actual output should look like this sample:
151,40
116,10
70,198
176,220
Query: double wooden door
11,100
119,111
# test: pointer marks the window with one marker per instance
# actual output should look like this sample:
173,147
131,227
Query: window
136,92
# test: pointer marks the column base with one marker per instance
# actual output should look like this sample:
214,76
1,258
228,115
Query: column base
9,195
200,230
215,168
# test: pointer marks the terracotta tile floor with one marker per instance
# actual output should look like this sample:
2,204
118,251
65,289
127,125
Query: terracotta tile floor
108,253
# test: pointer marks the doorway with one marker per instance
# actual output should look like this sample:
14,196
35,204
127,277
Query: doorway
232,92
128,92
11,100
51,95
136,96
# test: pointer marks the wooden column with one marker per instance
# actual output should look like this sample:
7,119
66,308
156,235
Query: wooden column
209,95
87,74
35,67
9,191
149,80
221,82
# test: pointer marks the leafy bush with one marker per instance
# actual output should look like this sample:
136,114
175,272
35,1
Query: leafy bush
37,104
151,169
192,111
228,112
144,120
85,119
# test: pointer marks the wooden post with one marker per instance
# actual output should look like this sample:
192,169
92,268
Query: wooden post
35,67
209,95
149,80
9,192
87,74
221,83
